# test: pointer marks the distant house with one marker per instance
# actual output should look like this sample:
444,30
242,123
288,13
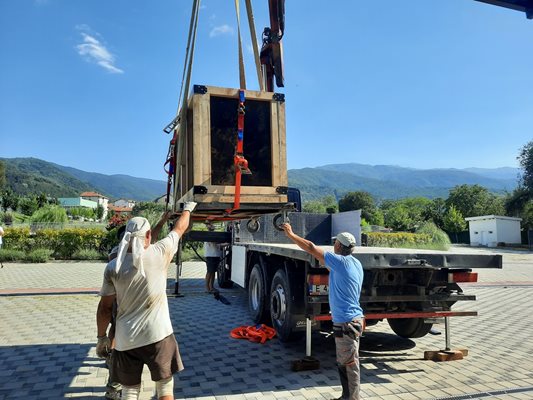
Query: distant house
124,203
120,210
490,230
100,199
72,202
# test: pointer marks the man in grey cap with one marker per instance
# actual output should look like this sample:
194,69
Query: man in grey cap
137,279
345,282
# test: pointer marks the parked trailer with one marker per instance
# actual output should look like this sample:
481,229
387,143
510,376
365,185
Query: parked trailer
287,287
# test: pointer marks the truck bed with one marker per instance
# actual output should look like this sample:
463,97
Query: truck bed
383,257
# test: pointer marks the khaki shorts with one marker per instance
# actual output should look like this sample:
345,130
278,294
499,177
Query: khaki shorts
162,358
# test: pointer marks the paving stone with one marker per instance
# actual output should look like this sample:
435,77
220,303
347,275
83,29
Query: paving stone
48,352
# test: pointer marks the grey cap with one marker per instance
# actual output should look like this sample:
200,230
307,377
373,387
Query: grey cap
346,239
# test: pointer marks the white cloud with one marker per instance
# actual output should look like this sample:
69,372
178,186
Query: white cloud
92,50
221,30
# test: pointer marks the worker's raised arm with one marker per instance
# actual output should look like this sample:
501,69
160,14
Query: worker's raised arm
157,228
181,225
304,244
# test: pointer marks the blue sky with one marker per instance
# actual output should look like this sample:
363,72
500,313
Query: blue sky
426,84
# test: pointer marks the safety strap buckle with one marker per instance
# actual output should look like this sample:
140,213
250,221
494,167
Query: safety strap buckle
242,164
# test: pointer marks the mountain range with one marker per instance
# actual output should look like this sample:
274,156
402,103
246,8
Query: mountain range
393,182
31,175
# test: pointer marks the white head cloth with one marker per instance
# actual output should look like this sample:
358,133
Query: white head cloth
135,235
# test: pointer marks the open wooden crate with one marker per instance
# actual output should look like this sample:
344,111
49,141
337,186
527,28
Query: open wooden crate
207,163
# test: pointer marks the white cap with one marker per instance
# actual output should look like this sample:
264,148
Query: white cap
346,239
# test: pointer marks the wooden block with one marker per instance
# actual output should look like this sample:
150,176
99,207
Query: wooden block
305,364
444,355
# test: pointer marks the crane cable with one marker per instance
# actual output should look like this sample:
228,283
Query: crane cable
255,47
242,75
179,131
253,35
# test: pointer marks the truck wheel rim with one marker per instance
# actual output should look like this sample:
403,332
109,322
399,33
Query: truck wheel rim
279,304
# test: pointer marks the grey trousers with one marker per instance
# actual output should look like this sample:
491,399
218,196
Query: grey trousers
347,349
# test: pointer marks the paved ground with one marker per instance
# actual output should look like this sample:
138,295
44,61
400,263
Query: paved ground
48,336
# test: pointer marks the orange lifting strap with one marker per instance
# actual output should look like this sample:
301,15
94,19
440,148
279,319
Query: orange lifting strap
257,334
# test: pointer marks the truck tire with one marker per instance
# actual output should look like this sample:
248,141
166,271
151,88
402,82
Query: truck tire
257,296
409,327
281,307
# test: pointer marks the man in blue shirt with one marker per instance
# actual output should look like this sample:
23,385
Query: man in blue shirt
345,281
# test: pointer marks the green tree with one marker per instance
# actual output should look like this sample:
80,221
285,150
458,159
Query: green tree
28,205
314,207
147,206
515,202
42,200
9,200
434,211
326,204
404,214
454,221
2,175
397,218
475,200
361,200
527,215
525,158
99,212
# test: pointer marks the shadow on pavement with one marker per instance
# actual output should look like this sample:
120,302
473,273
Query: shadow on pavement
218,365
48,371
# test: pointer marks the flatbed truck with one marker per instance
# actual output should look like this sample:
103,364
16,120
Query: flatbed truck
288,288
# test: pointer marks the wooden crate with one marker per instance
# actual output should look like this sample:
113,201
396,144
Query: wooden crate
207,167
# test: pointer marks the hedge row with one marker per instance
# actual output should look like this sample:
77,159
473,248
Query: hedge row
63,243
400,239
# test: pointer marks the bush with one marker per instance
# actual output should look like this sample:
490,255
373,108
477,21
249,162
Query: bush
49,214
428,239
62,243
439,238
398,239
11,255
18,239
88,254
33,256
7,218
116,220
38,256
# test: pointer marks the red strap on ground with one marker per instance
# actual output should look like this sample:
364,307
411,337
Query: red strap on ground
257,334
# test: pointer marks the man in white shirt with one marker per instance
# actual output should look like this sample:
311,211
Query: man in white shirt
137,280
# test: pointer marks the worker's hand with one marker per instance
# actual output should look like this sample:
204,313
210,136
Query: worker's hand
287,228
189,206
103,347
